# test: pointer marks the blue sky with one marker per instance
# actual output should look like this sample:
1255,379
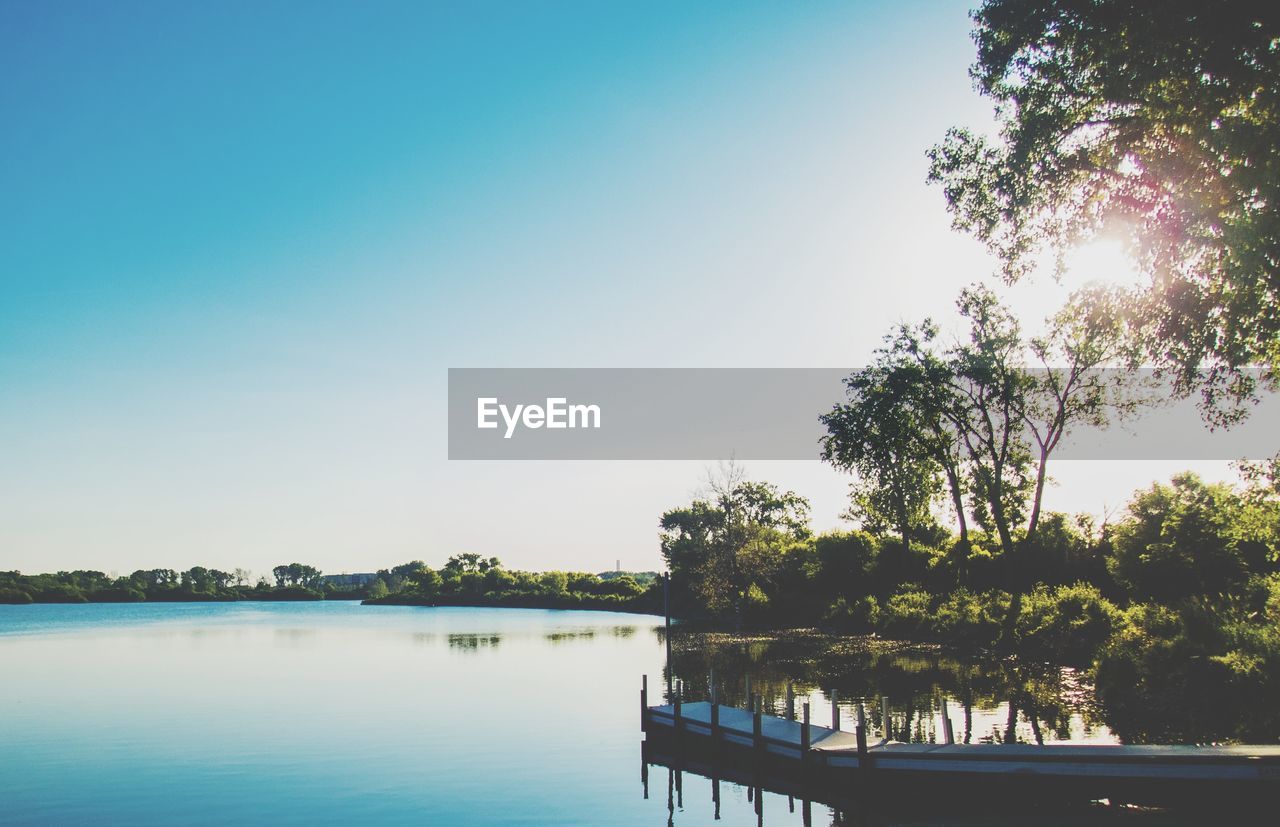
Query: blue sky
241,243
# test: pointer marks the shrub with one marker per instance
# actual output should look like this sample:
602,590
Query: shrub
859,615
969,619
14,596
1066,624
908,614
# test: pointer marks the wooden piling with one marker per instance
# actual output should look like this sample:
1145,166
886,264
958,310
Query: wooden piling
835,709
666,599
791,702
644,703
715,711
884,715
948,734
804,734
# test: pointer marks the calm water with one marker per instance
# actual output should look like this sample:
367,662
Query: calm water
336,712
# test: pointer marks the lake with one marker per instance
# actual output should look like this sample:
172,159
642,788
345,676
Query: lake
209,713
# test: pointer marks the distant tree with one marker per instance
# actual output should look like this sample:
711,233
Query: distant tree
471,562
723,546
1160,125
297,574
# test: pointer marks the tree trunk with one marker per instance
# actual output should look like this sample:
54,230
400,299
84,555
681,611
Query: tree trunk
1039,494
961,549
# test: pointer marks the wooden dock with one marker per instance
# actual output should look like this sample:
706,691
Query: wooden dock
840,767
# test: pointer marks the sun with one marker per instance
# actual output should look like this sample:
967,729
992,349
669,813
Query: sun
1103,261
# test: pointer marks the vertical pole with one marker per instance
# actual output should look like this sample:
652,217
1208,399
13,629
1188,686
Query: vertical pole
666,611
715,709
791,702
835,709
861,732
948,734
804,734
676,701
666,598
884,715
757,730
644,703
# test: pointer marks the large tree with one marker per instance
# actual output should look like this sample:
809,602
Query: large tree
1159,122
885,435
724,543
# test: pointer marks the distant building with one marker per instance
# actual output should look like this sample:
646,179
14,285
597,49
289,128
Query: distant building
348,581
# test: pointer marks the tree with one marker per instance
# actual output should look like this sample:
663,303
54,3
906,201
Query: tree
471,562
1192,539
1083,379
297,574
883,435
724,544
1162,126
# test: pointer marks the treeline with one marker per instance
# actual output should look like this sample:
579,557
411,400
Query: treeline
472,580
294,581
1174,605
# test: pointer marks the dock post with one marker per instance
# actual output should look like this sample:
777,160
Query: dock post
791,702
835,709
884,715
804,734
948,734
666,611
644,703
757,729
715,716
676,703
860,731
666,598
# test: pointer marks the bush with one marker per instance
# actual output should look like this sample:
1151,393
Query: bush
1066,624
58,593
969,619
908,614
857,616
117,594
14,596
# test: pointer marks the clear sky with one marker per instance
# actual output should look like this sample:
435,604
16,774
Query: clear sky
242,242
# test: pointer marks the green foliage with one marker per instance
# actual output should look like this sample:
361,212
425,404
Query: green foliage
720,547
1192,538
968,619
293,574
1161,128
12,595
858,616
1066,624
908,614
